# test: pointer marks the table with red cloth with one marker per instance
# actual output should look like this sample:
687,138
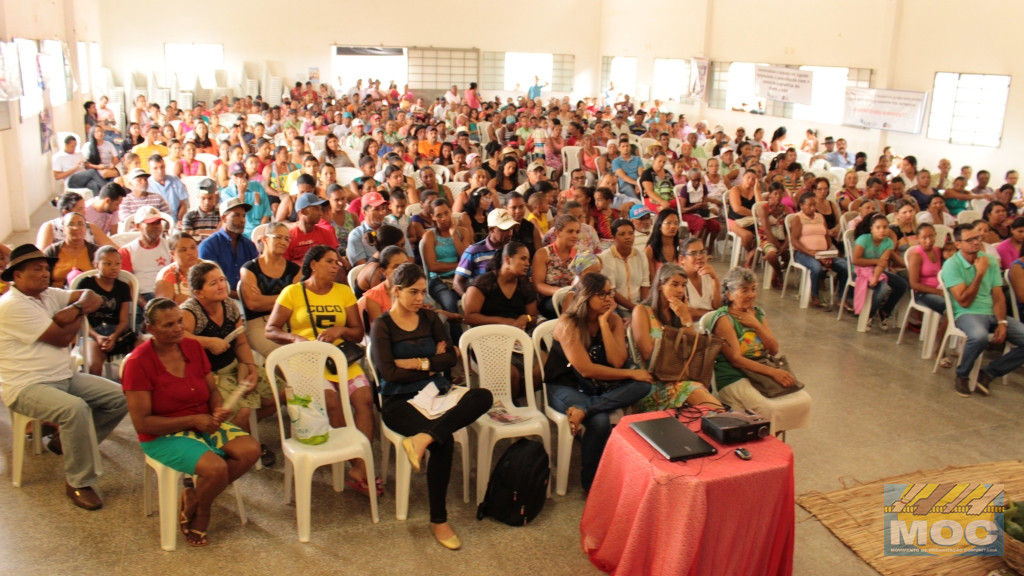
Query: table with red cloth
716,515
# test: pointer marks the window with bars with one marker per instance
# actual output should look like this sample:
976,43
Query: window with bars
671,80
968,108
563,72
732,87
492,72
504,70
440,68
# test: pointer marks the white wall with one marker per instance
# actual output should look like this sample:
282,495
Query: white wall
27,181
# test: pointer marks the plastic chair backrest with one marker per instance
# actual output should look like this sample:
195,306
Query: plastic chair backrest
756,211
346,175
456,188
492,346
844,220
787,223
1011,295
968,216
258,233
849,236
208,160
125,238
192,185
302,364
942,234
543,338
444,175
124,276
353,155
353,274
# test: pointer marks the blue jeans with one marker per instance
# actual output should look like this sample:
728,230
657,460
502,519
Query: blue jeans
597,406
932,301
70,403
448,299
816,268
978,327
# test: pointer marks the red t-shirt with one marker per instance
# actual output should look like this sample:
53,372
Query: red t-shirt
303,241
170,396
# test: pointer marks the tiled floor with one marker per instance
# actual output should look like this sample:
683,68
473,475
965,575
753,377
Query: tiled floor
878,411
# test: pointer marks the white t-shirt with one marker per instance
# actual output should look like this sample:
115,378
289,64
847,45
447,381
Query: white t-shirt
24,359
703,301
145,263
62,161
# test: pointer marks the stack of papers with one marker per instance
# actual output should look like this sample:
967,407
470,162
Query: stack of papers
432,404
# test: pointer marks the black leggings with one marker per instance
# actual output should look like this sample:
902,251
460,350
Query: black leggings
405,419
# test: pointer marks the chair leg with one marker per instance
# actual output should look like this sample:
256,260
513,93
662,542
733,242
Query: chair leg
368,458
484,448
903,326
19,423
167,487
942,350
385,451
303,499
931,333
289,473
546,437
403,476
865,312
564,458
338,476
842,300
238,500
462,438
254,431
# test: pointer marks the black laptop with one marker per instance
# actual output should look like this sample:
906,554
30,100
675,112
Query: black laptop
673,439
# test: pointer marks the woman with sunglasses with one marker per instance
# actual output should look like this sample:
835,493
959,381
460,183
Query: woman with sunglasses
585,370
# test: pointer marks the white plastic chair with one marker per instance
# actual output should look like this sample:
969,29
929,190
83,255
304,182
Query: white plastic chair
403,469
646,143
125,237
756,210
930,320
805,274
851,283
133,283
209,160
257,235
168,481
942,234
543,338
559,297
353,156
1011,295
346,175
456,188
302,364
85,193
353,274
570,162
444,174
968,216
492,347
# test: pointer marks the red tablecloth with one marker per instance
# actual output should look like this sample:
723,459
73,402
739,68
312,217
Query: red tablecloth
717,515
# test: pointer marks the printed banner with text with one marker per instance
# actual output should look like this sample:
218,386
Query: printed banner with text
783,84
895,110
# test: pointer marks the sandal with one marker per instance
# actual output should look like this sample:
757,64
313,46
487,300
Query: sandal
363,487
946,363
183,519
816,303
576,416
196,538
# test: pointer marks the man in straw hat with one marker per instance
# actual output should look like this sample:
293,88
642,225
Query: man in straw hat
37,325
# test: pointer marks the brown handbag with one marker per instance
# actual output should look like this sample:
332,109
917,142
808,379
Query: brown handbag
679,355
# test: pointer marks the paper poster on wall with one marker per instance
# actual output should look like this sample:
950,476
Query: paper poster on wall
46,133
783,84
10,75
699,78
893,110
314,75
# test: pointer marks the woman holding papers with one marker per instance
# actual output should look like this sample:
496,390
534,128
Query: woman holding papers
178,413
808,234
411,350
214,320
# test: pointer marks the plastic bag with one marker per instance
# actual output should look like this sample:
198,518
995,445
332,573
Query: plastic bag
309,424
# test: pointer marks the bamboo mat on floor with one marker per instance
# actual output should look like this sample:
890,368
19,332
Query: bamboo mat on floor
855,516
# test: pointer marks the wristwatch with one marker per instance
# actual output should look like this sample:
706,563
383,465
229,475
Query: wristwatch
424,364
1003,322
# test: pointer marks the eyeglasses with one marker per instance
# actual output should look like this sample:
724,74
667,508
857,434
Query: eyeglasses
696,253
605,294
276,236
974,239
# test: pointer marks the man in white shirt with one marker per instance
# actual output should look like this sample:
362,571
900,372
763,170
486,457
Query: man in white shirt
452,96
147,254
37,326
70,164
626,267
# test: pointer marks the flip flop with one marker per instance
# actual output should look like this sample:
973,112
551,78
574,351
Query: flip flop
199,542
183,519
363,487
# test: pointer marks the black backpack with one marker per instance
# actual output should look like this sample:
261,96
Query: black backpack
518,485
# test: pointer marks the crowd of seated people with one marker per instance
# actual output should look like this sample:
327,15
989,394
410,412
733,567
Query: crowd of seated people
284,207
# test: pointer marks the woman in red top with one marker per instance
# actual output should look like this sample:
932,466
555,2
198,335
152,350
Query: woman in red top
177,411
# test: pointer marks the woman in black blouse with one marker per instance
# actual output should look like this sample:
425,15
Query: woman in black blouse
411,348
504,295
262,280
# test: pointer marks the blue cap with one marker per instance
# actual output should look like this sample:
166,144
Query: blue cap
308,199
346,115
639,211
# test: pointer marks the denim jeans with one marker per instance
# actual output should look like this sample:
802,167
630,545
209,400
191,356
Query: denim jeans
597,406
978,327
448,300
932,301
887,294
70,403
816,268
